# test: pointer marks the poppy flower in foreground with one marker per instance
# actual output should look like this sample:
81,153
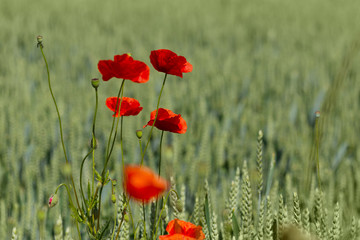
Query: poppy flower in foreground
142,184
129,106
124,67
169,62
167,121
181,230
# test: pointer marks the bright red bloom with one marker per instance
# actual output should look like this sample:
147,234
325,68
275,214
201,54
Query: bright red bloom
124,67
129,106
142,184
167,121
181,230
169,62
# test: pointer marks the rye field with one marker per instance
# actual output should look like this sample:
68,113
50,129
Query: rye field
272,108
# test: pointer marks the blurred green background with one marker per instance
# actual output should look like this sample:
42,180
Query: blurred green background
258,64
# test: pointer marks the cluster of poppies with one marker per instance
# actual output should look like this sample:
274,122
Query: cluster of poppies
125,67
140,182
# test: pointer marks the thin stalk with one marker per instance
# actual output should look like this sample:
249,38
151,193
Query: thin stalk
161,139
143,206
152,126
59,118
94,140
113,122
140,145
159,171
162,209
81,171
121,142
109,150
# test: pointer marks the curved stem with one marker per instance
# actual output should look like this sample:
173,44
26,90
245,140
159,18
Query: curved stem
81,170
157,108
59,118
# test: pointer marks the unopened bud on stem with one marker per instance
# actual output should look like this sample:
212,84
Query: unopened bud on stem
95,82
53,200
139,134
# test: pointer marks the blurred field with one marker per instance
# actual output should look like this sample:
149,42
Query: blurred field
265,65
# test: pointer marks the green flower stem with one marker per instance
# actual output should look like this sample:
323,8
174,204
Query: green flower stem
107,156
58,114
162,209
140,145
157,108
109,149
157,200
121,143
81,170
161,139
143,206
94,140
118,106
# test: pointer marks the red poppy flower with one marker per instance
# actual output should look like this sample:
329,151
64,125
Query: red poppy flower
169,62
181,230
142,184
129,106
124,67
167,121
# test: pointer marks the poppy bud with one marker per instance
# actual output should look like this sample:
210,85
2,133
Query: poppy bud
99,185
53,200
126,218
95,82
39,40
139,134
113,198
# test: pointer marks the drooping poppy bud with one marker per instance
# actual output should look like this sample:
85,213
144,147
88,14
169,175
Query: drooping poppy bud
53,200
